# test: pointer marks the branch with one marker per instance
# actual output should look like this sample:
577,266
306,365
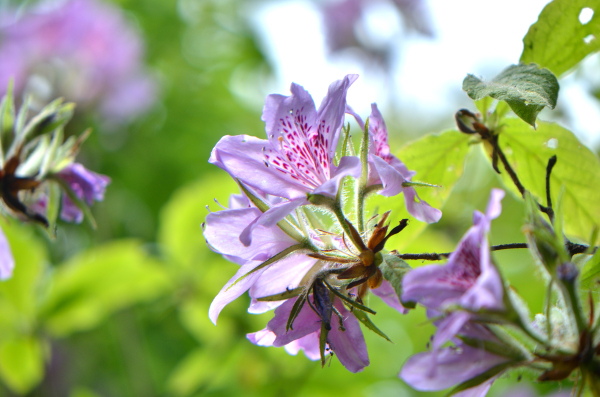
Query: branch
442,256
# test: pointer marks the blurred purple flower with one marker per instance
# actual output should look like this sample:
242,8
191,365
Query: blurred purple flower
297,158
7,262
84,50
469,280
87,185
347,343
387,170
342,23
221,231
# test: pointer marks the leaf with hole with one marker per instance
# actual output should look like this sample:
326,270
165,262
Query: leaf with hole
565,33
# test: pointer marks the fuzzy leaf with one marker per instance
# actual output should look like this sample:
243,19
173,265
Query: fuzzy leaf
527,89
438,159
559,40
528,152
393,270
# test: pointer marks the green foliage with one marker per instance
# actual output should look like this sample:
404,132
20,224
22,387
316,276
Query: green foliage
558,40
529,150
591,272
438,159
21,352
98,282
527,89
21,362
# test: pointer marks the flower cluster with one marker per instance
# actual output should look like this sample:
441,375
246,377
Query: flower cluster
83,50
315,277
36,163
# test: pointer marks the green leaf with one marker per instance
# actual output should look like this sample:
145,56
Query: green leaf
526,88
590,272
98,282
195,370
438,159
21,363
366,320
393,270
577,168
558,40
180,231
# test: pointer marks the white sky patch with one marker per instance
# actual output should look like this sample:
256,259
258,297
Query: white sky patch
472,36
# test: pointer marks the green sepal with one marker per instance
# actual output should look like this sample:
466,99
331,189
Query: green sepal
416,183
82,205
479,379
323,342
527,89
364,156
284,225
393,270
53,208
295,311
291,293
366,320
348,300
319,199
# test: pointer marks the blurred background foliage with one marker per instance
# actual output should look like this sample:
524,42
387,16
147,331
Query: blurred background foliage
122,310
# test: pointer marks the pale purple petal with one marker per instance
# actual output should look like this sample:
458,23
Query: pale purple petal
454,366
7,261
282,275
330,116
479,390
86,184
349,345
309,344
270,218
242,156
305,323
261,338
418,208
448,327
388,294
259,307
347,166
233,289
223,227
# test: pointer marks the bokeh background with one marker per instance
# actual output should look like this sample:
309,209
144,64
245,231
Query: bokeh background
122,310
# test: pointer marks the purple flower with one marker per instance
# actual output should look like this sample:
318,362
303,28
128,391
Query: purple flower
469,280
442,368
297,159
84,50
7,262
221,231
87,185
347,343
387,170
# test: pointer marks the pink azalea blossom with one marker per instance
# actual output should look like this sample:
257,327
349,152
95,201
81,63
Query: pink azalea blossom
348,343
84,50
469,280
387,170
297,159
87,185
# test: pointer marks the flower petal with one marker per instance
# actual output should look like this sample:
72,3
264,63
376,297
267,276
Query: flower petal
305,323
270,217
7,261
349,345
388,294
